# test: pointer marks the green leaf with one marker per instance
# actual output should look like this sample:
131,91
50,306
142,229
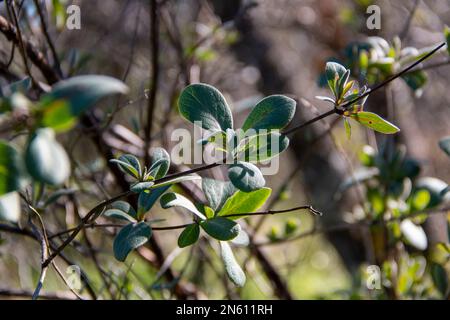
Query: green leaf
375,122
273,112
172,199
217,192
11,168
121,210
141,186
440,277
246,176
444,144
420,200
189,236
435,188
416,79
131,236
129,164
161,163
263,147
221,228
243,202
234,271
70,98
334,71
147,199
348,128
447,38
10,207
46,159
204,103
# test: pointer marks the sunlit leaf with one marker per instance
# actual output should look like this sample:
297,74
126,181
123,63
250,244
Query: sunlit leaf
245,202
375,122
234,271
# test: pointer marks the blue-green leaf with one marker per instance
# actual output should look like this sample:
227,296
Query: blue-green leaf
131,236
273,112
217,192
221,228
172,199
129,164
234,271
46,159
121,210
246,176
147,199
141,186
444,144
204,103
161,163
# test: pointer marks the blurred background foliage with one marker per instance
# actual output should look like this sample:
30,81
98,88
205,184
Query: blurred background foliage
383,197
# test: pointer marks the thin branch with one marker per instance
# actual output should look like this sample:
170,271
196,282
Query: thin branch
154,38
273,212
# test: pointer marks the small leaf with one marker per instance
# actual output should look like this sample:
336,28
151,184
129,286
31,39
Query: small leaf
172,199
447,38
245,202
435,188
444,144
161,163
121,210
348,128
141,186
334,71
416,79
217,192
189,236
70,98
147,199
221,228
414,234
11,168
131,236
204,103
10,207
46,159
129,164
420,200
440,277
246,176
273,112
234,271
375,122
327,99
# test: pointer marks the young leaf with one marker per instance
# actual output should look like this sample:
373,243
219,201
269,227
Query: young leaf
70,98
234,271
11,168
246,176
131,236
172,199
221,228
327,99
334,71
375,122
129,164
189,236
348,128
444,144
217,192
273,112
121,210
447,38
242,239
204,103
46,159
161,163
10,207
243,202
